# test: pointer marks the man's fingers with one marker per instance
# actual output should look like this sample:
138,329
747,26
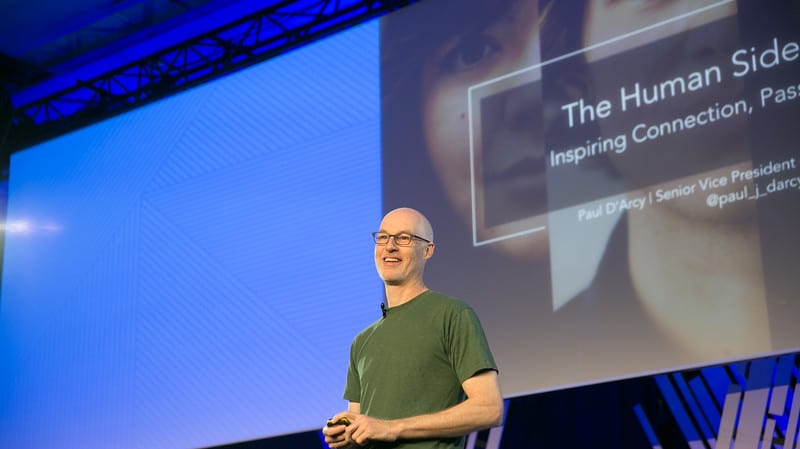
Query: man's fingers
358,436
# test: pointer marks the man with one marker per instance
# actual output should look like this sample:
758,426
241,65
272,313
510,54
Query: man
422,376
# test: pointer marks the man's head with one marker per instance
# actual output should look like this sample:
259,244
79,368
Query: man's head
400,264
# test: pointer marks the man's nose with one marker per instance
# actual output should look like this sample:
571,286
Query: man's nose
391,244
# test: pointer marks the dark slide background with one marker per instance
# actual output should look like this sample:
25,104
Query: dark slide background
190,274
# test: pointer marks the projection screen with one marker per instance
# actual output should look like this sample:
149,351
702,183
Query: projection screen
614,184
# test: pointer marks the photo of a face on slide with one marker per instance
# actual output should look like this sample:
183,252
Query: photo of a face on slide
507,157
599,178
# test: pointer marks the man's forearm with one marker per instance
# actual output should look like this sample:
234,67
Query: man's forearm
461,419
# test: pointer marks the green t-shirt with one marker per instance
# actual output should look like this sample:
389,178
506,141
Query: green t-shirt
414,360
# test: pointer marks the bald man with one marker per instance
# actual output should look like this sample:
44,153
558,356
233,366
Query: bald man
422,376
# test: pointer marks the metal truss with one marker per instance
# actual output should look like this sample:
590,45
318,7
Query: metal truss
257,37
110,21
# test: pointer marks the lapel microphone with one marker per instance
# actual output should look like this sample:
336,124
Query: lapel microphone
383,310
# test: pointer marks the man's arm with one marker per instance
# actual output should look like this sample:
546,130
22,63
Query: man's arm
482,408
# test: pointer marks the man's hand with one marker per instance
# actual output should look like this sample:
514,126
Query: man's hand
335,433
364,429
361,430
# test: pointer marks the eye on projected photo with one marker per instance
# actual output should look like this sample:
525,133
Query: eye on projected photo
618,181
190,274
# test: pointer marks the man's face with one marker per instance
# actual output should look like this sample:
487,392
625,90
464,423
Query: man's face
402,265
471,56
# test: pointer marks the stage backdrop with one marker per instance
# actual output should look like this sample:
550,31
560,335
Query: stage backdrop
613,185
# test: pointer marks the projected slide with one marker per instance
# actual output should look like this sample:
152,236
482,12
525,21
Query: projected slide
616,184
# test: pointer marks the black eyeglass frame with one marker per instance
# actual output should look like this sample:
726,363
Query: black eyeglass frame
396,242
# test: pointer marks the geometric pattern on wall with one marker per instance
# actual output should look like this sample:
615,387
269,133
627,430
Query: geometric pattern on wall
745,405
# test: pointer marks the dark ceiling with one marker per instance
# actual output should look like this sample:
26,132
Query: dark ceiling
56,47
44,39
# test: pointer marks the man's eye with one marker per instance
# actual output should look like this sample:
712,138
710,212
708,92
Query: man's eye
403,238
471,51
382,237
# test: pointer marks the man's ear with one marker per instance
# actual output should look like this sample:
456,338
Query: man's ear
429,250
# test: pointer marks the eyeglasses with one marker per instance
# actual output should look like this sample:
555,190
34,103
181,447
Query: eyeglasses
402,239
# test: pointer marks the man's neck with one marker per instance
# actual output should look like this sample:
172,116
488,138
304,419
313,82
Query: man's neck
400,294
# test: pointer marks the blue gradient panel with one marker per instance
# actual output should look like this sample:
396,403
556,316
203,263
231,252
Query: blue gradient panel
191,273
707,406
782,382
718,381
646,426
693,406
678,412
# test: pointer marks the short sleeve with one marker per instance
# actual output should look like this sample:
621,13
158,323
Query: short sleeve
352,388
469,349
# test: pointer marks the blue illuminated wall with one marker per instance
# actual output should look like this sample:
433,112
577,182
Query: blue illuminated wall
201,260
